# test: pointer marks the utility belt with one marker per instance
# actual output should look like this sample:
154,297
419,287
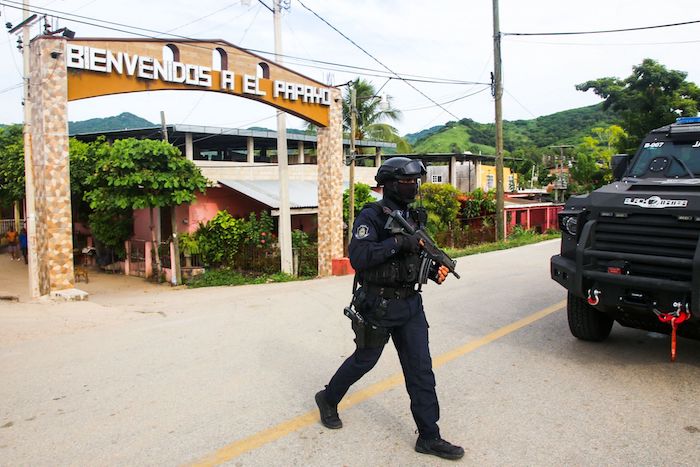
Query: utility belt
390,293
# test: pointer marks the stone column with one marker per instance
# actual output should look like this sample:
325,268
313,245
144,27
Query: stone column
330,187
300,147
378,157
49,140
251,149
189,147
453,171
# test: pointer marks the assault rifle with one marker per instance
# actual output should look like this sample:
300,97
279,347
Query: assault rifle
429,251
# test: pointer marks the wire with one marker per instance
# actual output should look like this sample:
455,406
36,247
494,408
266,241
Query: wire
382,86
265,5
403,77
375,59
202,17
193,107
252,21
571,33
521,105
11,88
450,101
436,80
619,44
12,53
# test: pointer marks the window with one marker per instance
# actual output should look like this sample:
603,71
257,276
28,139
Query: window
436,179
219,59
490,181
171,53
263,70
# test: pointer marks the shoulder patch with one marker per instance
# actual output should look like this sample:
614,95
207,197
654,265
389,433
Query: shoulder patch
362,232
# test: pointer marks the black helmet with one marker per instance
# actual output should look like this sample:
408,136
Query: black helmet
399,167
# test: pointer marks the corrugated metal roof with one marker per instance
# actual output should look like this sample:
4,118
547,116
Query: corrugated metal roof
302,194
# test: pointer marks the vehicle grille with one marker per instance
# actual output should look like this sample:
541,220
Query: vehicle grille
653,237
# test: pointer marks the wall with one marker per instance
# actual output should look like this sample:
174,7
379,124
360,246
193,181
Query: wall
483,173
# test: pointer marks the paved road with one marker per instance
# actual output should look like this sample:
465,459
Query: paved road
227,375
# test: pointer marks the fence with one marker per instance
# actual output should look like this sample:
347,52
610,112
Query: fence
137,257
5,225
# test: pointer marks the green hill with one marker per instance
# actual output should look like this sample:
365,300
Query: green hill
567,127
123,121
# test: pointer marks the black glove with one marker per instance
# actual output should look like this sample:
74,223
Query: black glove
408,243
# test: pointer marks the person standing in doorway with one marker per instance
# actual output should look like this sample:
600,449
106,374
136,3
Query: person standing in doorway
23,244
13,242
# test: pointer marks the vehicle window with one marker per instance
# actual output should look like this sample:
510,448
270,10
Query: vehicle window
663,159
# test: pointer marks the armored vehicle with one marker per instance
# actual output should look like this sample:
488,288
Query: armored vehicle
630,251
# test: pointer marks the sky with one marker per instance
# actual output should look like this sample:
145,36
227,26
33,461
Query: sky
438,40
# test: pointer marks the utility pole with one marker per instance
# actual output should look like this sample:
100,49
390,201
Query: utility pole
498,95
559,167
285,222
351,182
176,277
28,165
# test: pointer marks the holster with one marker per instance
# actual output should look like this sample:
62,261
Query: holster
367,334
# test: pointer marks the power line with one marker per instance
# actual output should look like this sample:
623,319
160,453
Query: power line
606,31
11,88
202,17
428,79
252,21
520,104
96,21
265,5
609,44
449,101
375,59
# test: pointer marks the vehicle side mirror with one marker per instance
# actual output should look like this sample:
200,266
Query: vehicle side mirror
620,162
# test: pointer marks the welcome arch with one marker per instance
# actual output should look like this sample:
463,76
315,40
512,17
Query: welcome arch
64,70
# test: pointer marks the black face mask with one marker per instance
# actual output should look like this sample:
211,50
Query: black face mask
403,193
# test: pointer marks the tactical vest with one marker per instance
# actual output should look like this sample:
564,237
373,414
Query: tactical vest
401,270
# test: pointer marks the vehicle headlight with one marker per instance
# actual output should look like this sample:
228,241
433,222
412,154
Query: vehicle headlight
570,221
570,224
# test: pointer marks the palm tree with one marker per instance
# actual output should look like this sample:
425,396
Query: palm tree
371,112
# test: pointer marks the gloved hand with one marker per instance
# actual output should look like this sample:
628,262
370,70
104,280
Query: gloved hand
441,274
409,243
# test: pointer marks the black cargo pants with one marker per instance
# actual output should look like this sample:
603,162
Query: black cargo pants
406,321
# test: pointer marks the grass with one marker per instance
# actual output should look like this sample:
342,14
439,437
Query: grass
518,238
218,277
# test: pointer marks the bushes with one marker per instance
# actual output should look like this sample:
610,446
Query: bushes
441,202
479,203
220,238
249,245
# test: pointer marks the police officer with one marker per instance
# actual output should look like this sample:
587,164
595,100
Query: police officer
387,267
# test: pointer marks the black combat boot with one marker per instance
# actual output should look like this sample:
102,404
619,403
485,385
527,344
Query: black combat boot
329,413
439,447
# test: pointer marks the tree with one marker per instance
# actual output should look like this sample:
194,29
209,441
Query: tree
11,164
362,196
137,174
372,115
652,96
591,168
84,159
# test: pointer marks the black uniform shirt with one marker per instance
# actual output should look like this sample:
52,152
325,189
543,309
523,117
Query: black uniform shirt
371,243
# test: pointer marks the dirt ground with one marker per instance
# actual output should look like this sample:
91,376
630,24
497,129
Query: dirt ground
113,299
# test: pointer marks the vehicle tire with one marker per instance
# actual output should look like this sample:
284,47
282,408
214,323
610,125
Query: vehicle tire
585,322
